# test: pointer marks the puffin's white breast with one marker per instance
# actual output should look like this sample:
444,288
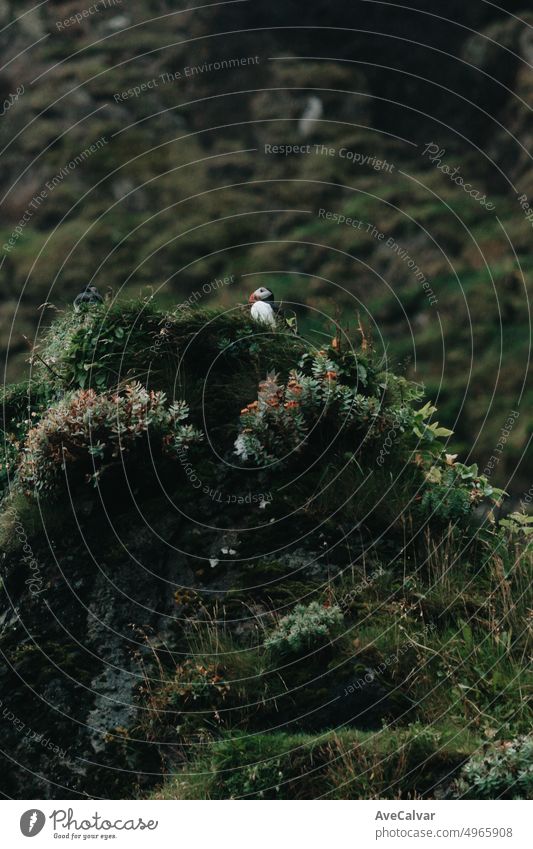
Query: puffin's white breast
263,312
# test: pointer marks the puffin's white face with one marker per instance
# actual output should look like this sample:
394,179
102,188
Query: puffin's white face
261,294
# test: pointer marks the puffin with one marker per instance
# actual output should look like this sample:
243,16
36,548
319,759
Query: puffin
265,310
89,296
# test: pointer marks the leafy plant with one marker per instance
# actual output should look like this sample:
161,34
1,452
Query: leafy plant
304,627
245,340
334,400
283,418
503,771
22,405
196,682
519,526
455,489
98,347
90,430
262,780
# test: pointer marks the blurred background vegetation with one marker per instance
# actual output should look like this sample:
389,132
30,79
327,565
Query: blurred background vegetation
182,192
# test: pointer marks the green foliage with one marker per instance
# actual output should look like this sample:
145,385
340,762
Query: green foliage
343,765
504,770
321,409
337,405
195,682
21,406
455,489
304,628
10,456
258,766
519,526
244,342
261,780
284,417
88,430
445,503
101,345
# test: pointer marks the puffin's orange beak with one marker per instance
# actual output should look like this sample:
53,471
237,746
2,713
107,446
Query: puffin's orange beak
251,299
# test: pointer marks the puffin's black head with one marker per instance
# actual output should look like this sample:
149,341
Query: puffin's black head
261,294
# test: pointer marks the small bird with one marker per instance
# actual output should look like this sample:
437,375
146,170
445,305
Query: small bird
264,309
89,296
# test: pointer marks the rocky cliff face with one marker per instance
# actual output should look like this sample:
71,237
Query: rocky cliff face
268,575
79,649
71,670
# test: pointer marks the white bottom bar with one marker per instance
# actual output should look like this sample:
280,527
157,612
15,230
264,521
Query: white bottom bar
268,824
